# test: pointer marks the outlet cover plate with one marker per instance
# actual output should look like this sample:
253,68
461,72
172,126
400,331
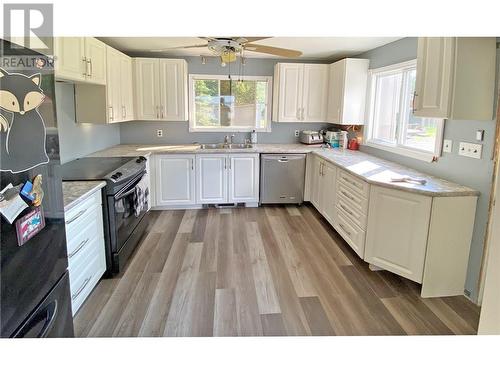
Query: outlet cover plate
447,145
296,133
159,132
470,150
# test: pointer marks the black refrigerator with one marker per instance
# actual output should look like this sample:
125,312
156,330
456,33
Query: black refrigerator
35,295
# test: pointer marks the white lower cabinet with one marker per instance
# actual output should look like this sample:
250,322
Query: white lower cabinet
175,180
324,176
222,178
398,223
85,246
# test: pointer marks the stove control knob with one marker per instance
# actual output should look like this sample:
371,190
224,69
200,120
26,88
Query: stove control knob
140,159
119,174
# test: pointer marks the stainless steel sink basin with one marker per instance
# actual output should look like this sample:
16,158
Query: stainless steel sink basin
222,146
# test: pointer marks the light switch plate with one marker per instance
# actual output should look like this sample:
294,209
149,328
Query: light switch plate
471,150
447,145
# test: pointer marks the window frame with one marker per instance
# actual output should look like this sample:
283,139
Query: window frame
398,147
224,129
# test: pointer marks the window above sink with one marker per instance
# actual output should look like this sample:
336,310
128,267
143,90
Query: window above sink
220,104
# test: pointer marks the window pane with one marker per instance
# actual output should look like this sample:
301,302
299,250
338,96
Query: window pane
386,106
231,103
419,132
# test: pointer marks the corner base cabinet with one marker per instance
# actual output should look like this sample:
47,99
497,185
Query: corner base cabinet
425,239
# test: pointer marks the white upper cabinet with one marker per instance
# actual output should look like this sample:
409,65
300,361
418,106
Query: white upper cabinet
455,78
80,60
300,92
113,93
175,180
161,89
126,88
347,91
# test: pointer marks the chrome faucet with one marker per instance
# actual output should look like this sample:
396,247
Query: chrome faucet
226,139
232,138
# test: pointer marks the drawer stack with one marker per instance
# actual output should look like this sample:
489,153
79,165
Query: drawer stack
85,244
352,210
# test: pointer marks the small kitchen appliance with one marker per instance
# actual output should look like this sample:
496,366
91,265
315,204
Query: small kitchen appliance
310,137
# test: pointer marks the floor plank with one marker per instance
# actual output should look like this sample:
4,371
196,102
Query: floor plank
271,270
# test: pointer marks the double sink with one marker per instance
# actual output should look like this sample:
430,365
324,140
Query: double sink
223,146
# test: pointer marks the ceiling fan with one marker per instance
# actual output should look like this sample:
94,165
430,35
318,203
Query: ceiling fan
228,47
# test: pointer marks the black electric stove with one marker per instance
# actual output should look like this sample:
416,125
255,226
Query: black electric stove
123,225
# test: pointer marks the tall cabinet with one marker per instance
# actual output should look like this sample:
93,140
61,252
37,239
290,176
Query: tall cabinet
300,92
161,89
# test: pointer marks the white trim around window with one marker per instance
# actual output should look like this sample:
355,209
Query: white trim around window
235,129
397,145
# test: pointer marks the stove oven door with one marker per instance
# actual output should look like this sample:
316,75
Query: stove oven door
123,216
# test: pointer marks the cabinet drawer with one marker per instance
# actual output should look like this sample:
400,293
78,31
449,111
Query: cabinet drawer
74,217
84,276
355,215
354,200
351,233
359,186
91,227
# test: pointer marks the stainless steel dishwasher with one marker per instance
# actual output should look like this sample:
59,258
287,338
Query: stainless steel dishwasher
282,178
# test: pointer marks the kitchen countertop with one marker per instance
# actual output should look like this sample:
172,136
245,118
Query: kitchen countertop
75,192
374,170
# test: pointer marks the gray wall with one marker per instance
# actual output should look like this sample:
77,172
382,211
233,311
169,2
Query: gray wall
470,172
77,140
177,132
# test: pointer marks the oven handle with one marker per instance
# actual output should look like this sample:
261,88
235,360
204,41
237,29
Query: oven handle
124,192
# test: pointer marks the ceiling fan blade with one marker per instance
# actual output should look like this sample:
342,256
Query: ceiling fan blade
179,47
283,52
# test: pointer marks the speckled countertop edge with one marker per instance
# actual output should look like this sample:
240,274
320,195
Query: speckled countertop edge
435,186
75,192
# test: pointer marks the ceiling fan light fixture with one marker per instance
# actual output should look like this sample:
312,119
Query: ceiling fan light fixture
228,56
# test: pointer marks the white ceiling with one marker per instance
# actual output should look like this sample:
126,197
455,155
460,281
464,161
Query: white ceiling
312,47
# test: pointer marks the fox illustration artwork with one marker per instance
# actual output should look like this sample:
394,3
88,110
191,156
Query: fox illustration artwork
22,129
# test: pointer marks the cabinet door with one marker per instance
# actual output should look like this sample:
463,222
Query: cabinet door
175,180
316,181
173,89
95,53
434,77
243,178
336,92
398,224
327,192
290,92
211,179
113,89
147,89
70,58
126,89
315,93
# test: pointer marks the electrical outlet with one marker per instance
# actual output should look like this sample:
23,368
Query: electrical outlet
471,150
159,132
447,145
296,133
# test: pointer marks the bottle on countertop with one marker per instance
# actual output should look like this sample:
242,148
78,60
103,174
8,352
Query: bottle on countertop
253,137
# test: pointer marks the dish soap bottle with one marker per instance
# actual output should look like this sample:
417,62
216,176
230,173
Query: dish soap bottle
253,137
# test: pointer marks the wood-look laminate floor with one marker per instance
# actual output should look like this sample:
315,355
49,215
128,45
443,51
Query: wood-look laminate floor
259,271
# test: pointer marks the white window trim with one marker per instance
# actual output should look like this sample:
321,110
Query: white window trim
396,148
225,129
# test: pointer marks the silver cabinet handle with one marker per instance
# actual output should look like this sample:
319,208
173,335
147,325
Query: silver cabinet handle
124,114
192,164
413,101
157,111
297,115
85,66
76,216
346,209
111,113
161,111
225,163
345,230
77,293
80,246
91,68
348,195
